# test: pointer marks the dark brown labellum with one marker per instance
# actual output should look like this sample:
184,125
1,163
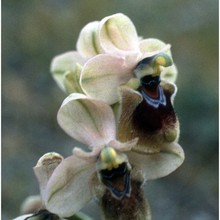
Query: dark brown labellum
152,114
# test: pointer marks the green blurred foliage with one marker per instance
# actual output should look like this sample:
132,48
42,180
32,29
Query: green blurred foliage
33,32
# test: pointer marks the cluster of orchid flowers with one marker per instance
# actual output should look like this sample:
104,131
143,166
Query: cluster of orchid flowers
120,104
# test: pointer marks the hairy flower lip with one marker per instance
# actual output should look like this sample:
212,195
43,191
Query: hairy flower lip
131,121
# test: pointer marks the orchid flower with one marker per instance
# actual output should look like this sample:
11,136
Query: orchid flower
33,208
107,53
146,107
67,185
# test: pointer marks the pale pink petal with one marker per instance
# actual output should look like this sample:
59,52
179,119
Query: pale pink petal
68,189
123,147
64,63
118,35
44,169
132,59
88,44
102,75
160,164
87,120
88,156
94,154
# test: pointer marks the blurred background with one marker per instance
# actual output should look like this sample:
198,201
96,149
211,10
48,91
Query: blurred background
33,32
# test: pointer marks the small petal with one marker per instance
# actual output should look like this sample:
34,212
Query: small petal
94,154
123,147
44,169
88,44
63,63
68,189
118,35
88,156
159,164
102,75
87,120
